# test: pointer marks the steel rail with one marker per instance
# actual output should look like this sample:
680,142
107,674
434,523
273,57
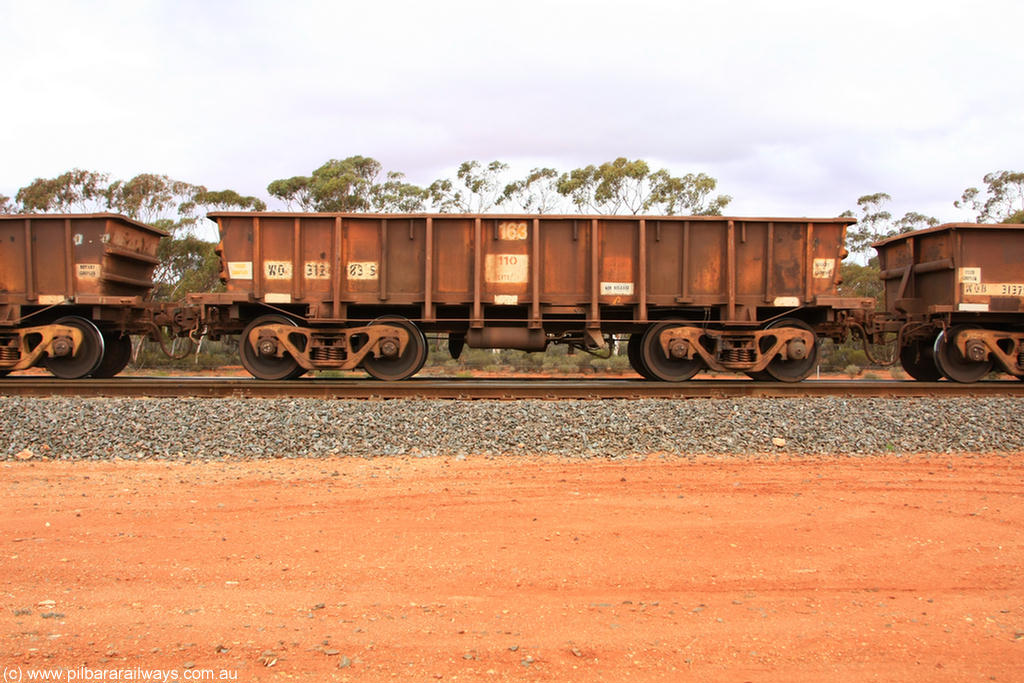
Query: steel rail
505,389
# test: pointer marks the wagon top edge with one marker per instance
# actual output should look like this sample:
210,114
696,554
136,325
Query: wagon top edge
945,227
80,216
517,216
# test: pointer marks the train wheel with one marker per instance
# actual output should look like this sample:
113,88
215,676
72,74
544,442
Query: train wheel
952,364
87,357
795,369
633,353
658,365
918,360
117,351
268,365
407,364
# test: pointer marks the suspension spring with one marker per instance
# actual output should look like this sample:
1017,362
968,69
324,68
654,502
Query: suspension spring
738,355
328,353
8,353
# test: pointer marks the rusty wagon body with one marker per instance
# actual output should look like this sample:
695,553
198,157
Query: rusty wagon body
72,290
956,294
319,291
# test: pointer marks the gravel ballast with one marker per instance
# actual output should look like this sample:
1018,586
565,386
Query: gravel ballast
91,428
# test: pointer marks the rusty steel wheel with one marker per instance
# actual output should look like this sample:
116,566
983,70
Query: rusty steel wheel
268,365
636,361
661,366
86,358
918,360
952,364
117,351
398,367
795,369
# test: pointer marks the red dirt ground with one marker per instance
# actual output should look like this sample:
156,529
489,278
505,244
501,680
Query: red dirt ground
769,569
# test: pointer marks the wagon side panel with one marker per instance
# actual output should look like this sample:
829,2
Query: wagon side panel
402,275
452,260
16,281
239,261
665,272
989,270
619,262
564,268
317,266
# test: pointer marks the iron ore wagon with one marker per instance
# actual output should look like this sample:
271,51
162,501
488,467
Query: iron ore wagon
340,291
956,293
72,290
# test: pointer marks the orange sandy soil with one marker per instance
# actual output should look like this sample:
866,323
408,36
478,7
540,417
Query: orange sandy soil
705,569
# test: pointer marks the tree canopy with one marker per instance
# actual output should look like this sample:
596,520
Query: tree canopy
475,189
357,184
349,185
876,223
1002,200
152,198
624,186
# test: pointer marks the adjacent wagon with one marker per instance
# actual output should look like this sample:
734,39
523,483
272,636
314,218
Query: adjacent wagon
956,294
72,290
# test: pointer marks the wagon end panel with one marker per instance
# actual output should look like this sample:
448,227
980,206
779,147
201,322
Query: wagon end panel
918,271
129,258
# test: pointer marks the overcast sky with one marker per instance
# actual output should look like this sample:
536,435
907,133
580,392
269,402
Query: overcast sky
797,108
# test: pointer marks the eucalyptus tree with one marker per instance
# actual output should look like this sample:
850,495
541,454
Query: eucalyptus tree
353,184
476,188
1001,201
625,186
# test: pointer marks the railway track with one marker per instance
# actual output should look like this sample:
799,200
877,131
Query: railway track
505,389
